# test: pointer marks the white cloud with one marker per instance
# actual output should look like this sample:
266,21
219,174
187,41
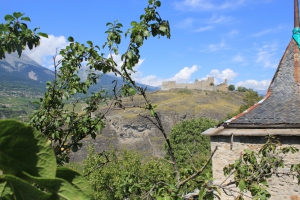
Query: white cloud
181,77
264,32
186,23
119,62
150,80
254,84
238,58
233,33
197,5
207,24
206,28
228,74
265,55
43,54
215,47
215,19
184,74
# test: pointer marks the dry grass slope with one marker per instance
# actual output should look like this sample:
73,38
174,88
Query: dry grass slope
126,129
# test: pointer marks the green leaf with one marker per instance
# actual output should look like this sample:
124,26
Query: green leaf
23,26
202,193
138,40
132,91
23,190
130,54
116,51
242,185
74,148
70,39
73,91
18,14
146,33
119,25
133,23
162,28
26,19
158,3
9,18
24,149
5,190
264,182
90,43
42,34
152,112
61,188
68,120
76,179
18,48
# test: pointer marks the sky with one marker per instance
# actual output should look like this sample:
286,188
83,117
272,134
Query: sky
239,40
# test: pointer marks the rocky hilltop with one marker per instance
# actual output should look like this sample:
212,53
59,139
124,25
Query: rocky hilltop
127,129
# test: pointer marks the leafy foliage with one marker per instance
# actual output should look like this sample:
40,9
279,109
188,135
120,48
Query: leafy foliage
187,140
28,167
191,150
241,89
15,34
250,98
64,128
231,87
125,175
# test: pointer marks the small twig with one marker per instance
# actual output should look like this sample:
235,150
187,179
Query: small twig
232,190
98,166
199,171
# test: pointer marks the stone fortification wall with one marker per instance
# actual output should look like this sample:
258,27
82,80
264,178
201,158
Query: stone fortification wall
280,187
223,86
207,84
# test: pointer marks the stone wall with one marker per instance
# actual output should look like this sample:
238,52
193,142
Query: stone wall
207,84
223,86
281,188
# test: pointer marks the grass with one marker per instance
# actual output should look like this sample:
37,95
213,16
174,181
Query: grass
193,102
17,107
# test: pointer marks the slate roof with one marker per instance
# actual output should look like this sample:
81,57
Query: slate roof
281,106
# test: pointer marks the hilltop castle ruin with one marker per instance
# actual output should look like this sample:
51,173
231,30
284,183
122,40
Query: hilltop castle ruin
207,84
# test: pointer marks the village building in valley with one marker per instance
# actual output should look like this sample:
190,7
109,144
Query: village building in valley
277,114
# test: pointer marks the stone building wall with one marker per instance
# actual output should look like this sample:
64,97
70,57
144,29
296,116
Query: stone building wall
207,84
281,188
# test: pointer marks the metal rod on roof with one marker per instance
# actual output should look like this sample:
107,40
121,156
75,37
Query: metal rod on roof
296,14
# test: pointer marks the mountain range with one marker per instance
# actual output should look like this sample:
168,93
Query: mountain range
25,75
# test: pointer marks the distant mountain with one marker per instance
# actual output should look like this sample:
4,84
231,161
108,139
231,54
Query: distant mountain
262,92
106,82
24,75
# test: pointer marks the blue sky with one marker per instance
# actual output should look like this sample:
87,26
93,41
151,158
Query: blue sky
241,40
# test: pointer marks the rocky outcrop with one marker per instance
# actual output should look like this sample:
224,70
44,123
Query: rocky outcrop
127,129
